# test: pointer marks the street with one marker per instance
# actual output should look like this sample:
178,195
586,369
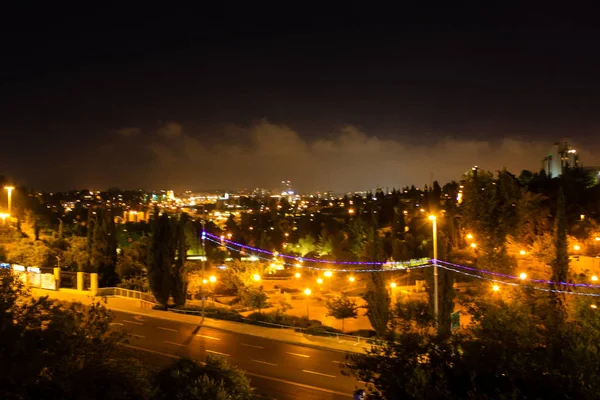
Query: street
279,370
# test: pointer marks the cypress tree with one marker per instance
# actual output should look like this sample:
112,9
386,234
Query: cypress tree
161,257
179,287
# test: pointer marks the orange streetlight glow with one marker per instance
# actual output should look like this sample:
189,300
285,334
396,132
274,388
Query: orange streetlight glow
523,276
594,278
469,236
212,279
473,245
576,247
328,274
393,285
297,275
495,288
307,291
319,281
522,252
351,279
256,277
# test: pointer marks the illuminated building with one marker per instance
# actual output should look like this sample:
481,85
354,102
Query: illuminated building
561,156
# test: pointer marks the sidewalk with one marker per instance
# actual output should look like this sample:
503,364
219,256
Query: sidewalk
346,344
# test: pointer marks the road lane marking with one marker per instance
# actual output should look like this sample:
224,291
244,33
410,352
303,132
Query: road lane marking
298,355
302,385
209,337
318,373
138,336
336,362
175,344
216,352
251,345
116,323
270,378
150,351
167,329
264,362
132,322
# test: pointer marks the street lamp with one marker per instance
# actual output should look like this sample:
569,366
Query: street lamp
523,276
319,281
470,236
10,189
496,288
298,275
473,245
594,278
576,247
522,252
212,279
351,279
436,308
307,292
256,277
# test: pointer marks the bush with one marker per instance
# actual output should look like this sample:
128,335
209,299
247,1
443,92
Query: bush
281,319
212,312
321,330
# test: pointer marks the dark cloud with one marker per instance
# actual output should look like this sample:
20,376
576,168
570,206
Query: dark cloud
266,153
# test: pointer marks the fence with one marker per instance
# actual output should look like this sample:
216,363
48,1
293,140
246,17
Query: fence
68,280
130,294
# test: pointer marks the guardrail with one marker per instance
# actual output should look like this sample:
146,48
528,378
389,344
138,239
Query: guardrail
130,294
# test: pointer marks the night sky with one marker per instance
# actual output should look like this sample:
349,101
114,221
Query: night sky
343,97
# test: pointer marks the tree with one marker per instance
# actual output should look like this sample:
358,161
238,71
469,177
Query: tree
161,255
307,244
103,258
217,380
53,350
179,288
560,264
257,298
378,303
342,307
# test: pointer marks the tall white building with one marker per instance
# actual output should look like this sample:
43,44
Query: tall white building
560,156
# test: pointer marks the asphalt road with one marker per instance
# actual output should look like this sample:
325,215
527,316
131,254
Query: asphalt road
280,370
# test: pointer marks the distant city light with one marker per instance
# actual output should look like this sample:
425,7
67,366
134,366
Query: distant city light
522,252
473,245
495,288
319,281
307,291
256,277
351,279
328,274
469,236
576,247
297,275
213,278
523,276
393,285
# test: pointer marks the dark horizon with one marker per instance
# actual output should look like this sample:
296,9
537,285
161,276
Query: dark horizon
331,98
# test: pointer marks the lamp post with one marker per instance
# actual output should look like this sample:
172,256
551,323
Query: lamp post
203,266
436,309
10,189
307,292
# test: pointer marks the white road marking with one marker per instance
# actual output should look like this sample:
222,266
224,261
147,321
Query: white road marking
318,373
175,344
264,362
209,337
167,329
132,322
302,385
298,355
138,336
116,323
270,378
251,345
216,352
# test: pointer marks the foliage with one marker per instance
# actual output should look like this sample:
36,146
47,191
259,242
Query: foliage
256,298
378,303
217,380
342,307
509,351
51,350
166,261
103,254
560,264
